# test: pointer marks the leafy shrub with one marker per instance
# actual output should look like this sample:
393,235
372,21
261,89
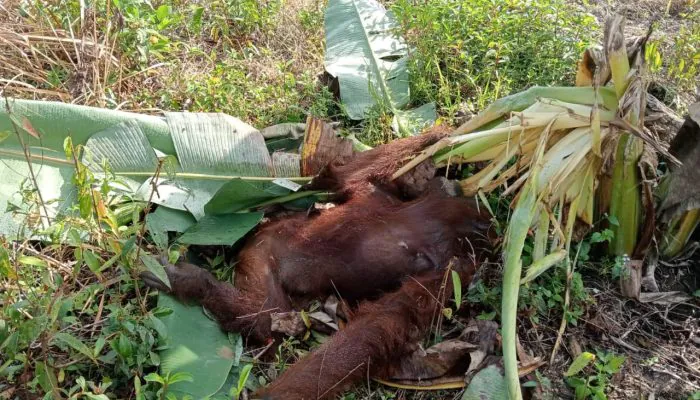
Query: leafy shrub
684,60
476,51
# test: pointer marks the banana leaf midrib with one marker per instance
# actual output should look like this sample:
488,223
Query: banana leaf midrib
147,174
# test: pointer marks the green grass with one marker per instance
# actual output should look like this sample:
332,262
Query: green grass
469,53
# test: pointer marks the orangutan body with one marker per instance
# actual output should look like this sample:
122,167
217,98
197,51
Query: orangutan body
383,249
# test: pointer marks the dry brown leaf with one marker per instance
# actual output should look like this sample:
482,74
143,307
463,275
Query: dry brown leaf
683,191
433,362
290,323
664,298
27,126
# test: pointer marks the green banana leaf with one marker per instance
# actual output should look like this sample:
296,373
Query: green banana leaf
196,346
371,62
209,150
487,384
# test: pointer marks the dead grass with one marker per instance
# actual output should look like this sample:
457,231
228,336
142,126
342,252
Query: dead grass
40,60
248,76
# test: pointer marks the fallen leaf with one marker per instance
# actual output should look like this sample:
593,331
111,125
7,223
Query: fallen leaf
664,298
433,362
488,384
27,126
289,323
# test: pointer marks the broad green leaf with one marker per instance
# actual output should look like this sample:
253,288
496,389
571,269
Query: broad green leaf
92,260
415,120
46,378
153,377
286,164
197,346
238,194
579,363
157,324
221,229
219,144
179,377
54,184
99,345
158,235
293,130
164,220
171,220
365,55
111,145
487,384
154,267
56,121
211,149
75,343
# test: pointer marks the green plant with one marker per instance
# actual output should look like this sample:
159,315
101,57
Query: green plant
166,381
593,385
684,60
475,51
73,323
236,391
236,87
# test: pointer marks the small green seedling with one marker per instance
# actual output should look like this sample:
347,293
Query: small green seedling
593,386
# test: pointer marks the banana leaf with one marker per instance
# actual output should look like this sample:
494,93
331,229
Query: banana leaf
371,63
208,150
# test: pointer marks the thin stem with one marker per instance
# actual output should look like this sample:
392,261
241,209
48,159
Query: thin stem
27,157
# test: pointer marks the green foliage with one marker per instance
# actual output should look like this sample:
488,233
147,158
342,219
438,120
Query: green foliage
591,383
476,51
242,379
73,314
684,60
166,381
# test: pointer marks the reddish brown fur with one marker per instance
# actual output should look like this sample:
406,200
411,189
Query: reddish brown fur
370,244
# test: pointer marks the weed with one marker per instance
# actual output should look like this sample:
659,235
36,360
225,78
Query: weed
684,60
594,385
475,51
74,315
